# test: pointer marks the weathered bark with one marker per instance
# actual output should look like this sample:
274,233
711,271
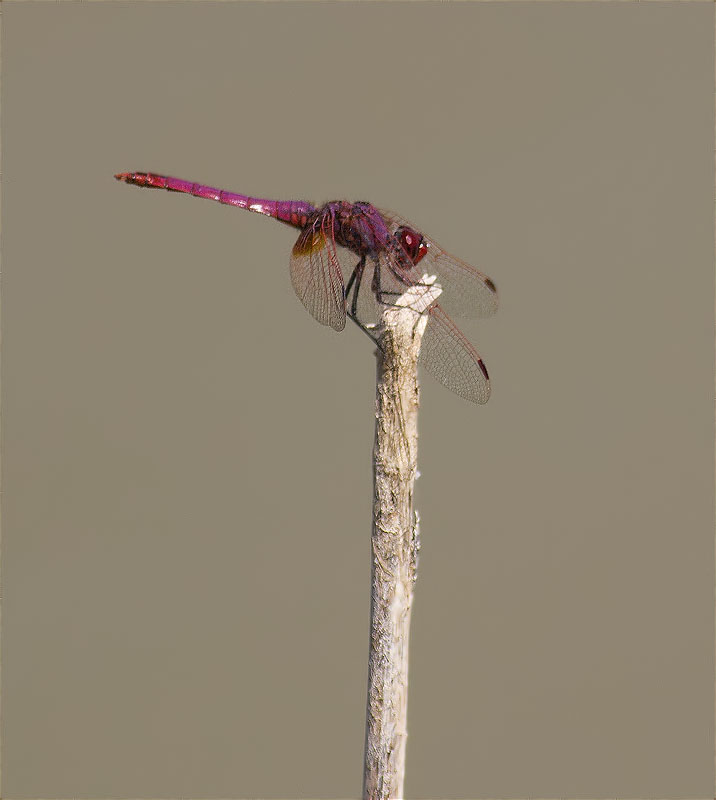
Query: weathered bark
395,546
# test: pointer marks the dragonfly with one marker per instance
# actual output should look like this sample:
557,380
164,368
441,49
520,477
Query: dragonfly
379,253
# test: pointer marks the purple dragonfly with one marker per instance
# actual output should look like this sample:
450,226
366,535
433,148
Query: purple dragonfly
389,250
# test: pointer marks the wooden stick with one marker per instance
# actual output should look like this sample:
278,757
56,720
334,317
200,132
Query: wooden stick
395,546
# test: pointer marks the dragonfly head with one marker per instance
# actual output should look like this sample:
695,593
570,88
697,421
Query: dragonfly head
412,242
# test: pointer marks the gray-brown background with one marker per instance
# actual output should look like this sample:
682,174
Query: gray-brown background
187,453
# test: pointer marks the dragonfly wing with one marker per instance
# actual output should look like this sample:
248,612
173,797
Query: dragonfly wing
467,292
316,273
445,352
399,282
448,356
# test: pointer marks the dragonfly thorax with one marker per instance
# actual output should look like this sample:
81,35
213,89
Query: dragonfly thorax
359,227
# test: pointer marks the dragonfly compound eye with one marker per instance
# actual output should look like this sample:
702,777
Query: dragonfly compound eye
412,243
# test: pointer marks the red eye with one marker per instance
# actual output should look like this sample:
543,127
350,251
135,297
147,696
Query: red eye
412,243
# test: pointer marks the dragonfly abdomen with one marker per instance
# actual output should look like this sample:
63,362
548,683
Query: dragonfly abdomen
292,212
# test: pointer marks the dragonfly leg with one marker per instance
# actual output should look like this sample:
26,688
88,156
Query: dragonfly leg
387,293
384,295
376,287
369,331
354,283
392,297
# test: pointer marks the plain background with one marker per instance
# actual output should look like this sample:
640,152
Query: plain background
187,484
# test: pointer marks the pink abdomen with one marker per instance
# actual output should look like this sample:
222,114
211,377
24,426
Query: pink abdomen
292,212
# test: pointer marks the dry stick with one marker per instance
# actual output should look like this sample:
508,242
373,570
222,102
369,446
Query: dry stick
395,546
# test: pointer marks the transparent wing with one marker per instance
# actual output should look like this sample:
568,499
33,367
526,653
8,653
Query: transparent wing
395,273
445,352
316,273
467,292
448,356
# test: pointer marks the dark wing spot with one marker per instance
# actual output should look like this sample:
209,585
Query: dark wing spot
491,285
483,368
